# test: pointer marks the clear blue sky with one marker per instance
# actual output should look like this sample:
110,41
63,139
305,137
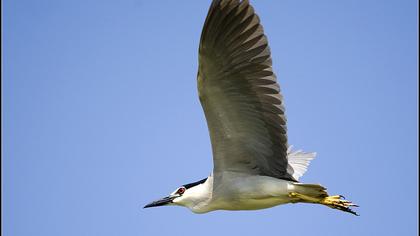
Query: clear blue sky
101,116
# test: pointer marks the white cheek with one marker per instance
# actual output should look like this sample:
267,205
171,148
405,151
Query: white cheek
178,200
182,200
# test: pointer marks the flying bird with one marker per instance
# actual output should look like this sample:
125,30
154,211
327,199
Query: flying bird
254,166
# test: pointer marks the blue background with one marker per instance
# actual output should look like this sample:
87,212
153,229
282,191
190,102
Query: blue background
101,116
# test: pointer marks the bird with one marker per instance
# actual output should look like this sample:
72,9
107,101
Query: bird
254,166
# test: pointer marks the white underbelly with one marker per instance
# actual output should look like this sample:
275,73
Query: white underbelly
254,204
244,192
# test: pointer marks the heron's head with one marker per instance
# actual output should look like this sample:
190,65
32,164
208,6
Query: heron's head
188,195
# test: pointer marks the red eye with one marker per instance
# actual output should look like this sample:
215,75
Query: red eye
181,190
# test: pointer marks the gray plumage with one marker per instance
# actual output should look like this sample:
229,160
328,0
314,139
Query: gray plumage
254,167
239,93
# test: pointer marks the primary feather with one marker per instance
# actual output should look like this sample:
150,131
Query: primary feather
239,93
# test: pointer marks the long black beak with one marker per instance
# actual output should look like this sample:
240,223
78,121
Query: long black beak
160,202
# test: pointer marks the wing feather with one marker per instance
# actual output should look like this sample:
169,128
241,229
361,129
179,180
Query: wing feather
239,93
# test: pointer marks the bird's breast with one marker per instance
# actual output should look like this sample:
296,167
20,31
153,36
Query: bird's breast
240,192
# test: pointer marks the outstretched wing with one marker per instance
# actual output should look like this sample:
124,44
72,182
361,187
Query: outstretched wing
239,93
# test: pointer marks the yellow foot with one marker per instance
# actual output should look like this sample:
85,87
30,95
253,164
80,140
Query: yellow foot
336,202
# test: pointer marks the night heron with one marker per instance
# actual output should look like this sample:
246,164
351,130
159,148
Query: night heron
254,167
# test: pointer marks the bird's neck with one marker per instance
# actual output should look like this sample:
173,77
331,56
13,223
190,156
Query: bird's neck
199,197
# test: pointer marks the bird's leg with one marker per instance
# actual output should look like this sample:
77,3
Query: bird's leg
335,202
302,198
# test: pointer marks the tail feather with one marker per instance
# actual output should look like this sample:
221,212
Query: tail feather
298,162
